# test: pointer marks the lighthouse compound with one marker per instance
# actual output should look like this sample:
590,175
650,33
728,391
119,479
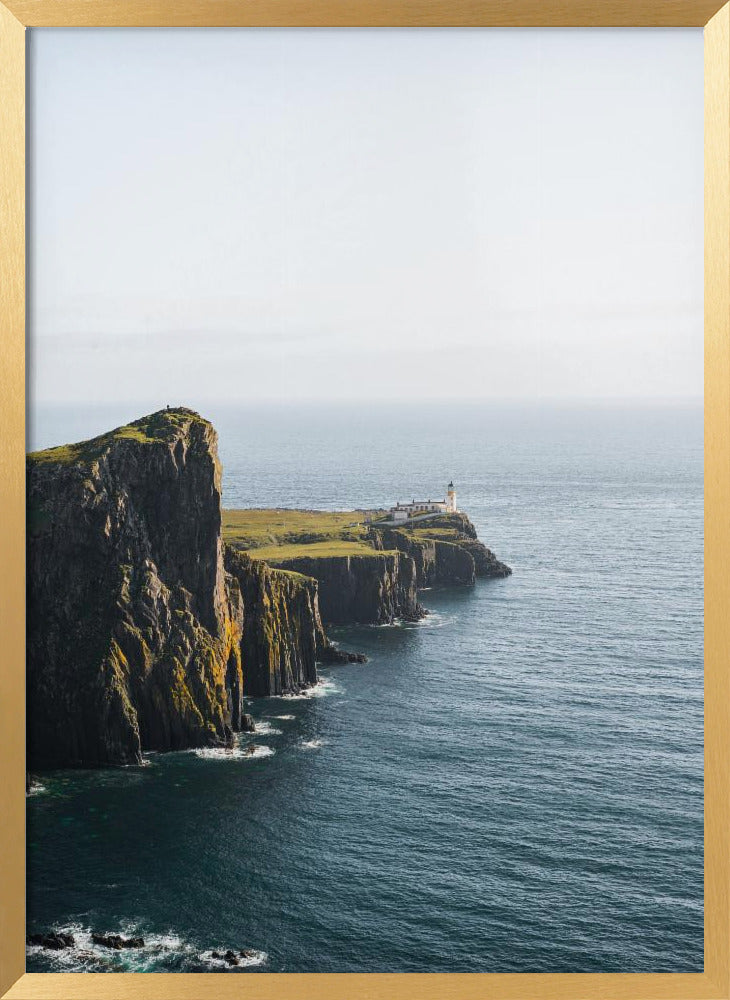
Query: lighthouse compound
402,511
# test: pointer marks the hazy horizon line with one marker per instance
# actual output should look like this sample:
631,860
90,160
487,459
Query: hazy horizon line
370,400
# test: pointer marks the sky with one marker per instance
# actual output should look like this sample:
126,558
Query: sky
243,215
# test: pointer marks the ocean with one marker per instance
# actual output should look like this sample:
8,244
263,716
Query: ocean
514,784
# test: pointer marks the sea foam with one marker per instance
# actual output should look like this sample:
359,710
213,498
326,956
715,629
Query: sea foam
233,753
162,952
312,744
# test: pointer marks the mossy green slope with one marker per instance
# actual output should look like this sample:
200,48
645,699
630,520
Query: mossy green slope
162,427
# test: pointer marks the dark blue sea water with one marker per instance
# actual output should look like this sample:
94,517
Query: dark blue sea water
515,784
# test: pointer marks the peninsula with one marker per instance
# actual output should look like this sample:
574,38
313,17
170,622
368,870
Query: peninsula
153,613
369,566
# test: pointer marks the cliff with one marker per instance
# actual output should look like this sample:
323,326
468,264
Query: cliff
368,572
146,631
142,634
376,588
282,632
445,550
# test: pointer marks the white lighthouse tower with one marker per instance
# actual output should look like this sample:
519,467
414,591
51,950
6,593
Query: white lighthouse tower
451,499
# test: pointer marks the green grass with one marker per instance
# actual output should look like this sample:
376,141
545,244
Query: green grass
162,426
276,554
279,536
256,529
440,534
291,573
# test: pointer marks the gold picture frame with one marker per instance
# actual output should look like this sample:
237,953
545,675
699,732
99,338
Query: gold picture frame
15,17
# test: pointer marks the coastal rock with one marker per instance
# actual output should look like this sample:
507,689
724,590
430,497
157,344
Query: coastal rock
231,957
53,941
454,565
465,537
486,563
133,629
332,655
116,942
455,559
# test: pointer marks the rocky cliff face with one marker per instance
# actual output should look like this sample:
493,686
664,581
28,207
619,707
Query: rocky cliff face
486,564
383,587
137,631
372,589
282,635
455,559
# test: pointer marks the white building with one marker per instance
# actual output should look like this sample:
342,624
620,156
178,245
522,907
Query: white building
402,511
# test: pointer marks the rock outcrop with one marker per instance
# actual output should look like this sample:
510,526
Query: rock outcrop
142,633
53,941
116,942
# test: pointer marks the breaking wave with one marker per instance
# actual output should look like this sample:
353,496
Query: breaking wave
249,751
324,687
264,728
166,952
312,744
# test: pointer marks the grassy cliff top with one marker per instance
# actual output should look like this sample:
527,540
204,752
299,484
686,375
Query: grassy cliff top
255,529
276,555
440,534
278,535
162,426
